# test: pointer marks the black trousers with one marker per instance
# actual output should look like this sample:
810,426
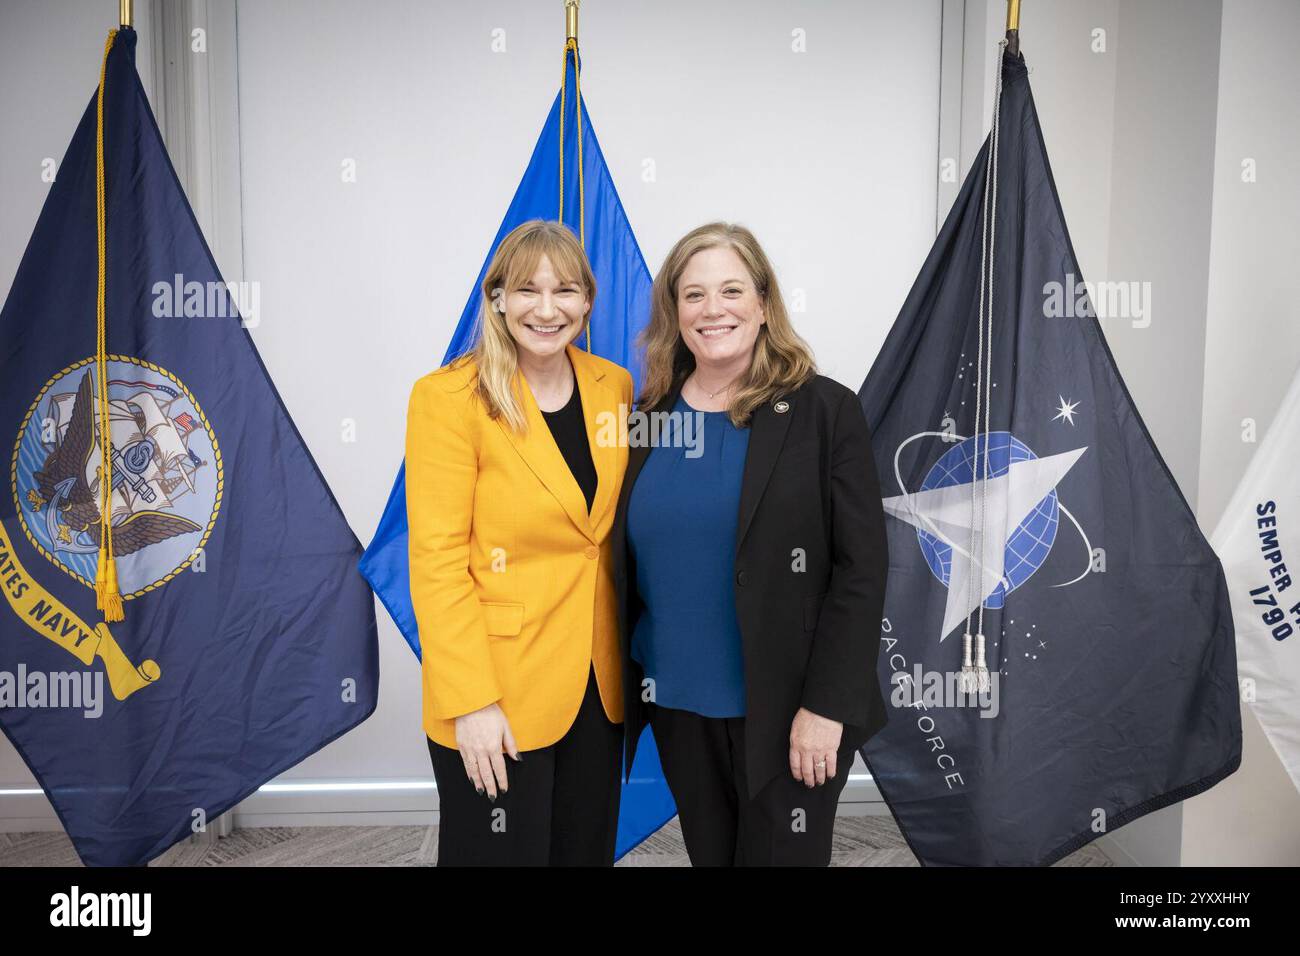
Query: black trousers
786,824
561,808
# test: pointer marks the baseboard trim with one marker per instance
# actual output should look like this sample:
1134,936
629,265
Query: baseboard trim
416,805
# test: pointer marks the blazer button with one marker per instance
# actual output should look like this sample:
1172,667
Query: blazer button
592,552
741,578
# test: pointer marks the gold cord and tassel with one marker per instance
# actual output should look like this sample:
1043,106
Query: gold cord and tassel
572,44
107,596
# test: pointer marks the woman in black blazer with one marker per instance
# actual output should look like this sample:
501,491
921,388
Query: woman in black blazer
751,558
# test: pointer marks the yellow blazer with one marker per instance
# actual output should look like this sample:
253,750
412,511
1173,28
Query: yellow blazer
511,579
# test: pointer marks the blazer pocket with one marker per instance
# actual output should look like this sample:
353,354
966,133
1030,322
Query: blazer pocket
502,619
812,609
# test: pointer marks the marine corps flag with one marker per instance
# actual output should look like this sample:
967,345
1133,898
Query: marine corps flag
182,617
1058,644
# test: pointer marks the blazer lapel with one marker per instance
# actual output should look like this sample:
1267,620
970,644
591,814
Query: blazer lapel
540,452
767,430
597,397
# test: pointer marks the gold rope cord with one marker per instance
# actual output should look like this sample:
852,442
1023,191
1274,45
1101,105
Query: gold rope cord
107,596
572,44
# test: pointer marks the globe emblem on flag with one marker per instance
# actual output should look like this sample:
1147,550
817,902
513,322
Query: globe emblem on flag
166,474
1031,541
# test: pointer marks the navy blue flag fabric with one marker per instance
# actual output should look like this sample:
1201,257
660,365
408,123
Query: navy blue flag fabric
249,638
621,309
1109,637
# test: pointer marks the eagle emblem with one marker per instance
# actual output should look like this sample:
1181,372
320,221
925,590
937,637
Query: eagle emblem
166,473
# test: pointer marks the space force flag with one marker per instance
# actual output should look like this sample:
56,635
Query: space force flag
1259,539
566,151
1057,641
182,618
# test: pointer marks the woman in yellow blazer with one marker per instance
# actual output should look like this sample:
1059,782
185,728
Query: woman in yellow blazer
513,469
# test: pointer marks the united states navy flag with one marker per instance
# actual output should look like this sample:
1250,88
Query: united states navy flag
1029,509
591,207
244,639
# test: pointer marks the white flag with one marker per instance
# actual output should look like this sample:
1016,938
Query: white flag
1258,542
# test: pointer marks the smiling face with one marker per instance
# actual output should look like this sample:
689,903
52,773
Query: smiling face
545,313
719,311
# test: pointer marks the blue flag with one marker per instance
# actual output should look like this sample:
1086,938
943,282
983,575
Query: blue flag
621,309
1053,519
248,640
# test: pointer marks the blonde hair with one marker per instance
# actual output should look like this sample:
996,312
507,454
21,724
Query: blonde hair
494,350
781,362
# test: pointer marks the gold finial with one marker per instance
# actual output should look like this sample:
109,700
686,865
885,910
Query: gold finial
571,19
1013,27
124,12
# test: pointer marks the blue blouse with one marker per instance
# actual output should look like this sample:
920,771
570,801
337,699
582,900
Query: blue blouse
681,526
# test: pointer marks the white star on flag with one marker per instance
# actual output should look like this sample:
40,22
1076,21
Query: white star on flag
1065,411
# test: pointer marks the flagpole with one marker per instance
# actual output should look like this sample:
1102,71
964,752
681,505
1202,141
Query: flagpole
571,43
124,12
1013,27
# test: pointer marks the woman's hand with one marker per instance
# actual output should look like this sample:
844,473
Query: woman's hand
814,742
482,736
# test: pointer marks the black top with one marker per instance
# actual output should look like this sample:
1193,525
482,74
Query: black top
570,432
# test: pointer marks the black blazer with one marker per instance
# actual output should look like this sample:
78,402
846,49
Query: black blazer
811,637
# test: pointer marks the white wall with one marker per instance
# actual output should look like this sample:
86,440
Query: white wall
1074,90
1252,355
50,55
1253,333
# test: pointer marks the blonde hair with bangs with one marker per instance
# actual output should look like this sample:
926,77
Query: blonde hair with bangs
494,351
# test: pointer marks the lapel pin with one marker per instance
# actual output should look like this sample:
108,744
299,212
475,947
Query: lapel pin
781,407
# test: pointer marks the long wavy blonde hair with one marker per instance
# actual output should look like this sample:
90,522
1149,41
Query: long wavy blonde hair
782,361
494,350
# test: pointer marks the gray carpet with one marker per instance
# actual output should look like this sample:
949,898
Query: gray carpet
859,841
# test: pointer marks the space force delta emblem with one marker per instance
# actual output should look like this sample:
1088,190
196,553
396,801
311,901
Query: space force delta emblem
985,531
167,485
